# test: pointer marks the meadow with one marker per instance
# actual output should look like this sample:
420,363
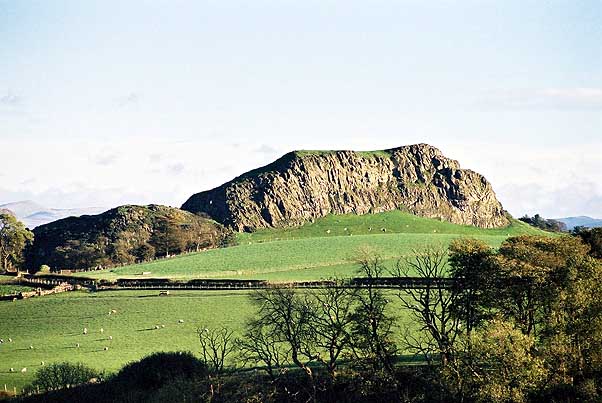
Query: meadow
54,325
323,249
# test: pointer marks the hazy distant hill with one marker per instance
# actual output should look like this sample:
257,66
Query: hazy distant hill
583,221
33,214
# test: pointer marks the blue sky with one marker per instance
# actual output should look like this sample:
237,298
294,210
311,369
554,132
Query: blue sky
104,103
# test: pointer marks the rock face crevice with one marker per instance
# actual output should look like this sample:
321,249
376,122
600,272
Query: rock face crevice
305,185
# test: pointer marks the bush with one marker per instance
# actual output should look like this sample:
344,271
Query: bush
159,369
62,375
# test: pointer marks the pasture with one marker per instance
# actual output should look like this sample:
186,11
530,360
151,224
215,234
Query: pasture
310,252
54,325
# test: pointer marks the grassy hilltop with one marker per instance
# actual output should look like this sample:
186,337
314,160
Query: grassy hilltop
317,250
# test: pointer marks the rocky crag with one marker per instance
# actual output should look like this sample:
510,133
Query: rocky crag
305,185
123,235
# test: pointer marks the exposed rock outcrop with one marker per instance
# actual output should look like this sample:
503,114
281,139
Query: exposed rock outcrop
123,235
304,185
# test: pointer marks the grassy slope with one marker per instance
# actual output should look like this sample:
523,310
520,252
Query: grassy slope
55,324
309,252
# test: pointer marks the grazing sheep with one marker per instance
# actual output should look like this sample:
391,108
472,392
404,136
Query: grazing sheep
328,231
10,340
110,337
77,345
383,229
102,330
181,321
23,370
106,349
369,229
85,330
345,229
31,347
156,327
113,311
42,363
11,370
162,326
1,341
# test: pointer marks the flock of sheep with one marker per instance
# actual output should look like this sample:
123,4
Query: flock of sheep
77,345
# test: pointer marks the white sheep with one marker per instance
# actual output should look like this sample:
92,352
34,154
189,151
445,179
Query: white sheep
156,327
11,370
42,363
31,347
23,370
85,330
113,311
110,337
181,321
328,231
106,349
102,330
1,341
77,345
163,326
10,340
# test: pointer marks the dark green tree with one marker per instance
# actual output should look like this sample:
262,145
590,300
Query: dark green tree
14,237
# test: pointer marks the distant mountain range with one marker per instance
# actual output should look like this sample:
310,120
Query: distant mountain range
33,214
583,221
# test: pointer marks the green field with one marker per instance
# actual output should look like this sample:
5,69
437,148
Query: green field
309,252
53,325
7,288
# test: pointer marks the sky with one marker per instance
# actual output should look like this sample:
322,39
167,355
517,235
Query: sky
104,103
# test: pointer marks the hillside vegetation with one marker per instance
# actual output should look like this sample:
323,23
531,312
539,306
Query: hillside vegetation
123,235
309,252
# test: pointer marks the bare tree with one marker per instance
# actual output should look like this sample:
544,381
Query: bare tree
261,346
332,320
287,316
372,323
432,305
216,345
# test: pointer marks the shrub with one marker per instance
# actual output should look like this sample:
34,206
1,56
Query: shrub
62,375
161,368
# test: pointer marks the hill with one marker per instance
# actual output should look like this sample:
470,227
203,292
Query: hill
580,221
305,185
123,235
310,252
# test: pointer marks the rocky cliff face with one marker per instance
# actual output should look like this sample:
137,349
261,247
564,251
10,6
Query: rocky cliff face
123,235
305,185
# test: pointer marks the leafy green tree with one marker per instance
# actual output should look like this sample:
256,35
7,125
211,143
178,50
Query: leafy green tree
13,239
591,237
471,265
499,366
